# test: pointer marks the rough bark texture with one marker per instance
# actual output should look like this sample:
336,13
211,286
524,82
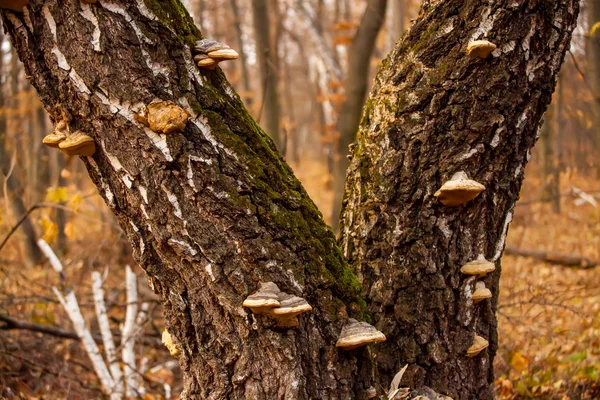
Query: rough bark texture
211,212
357,77
433,112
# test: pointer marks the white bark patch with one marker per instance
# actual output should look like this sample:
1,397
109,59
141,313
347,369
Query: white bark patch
293,281
502,240
496,139
193,72
485,26
442,224
173,200
469,154
218,195
60,57
190,170
110,197
160,141
90,16
505,48
145,11
209,270
50,20
527,40
143,193
522,120
118,167
78,82
518,171
183,246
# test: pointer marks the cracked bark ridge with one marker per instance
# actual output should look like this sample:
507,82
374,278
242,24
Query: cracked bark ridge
210,211
434,111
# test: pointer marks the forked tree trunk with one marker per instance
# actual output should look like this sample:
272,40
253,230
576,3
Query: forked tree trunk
433,112
214,211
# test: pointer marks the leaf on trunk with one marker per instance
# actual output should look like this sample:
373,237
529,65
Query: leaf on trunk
396,382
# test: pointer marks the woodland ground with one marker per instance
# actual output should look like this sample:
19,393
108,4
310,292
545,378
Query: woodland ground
549,316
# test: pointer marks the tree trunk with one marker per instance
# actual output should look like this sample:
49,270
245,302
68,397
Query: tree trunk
240,44
210,212
549,164
356,83
433,112
12,175
213,211
593,51
267,60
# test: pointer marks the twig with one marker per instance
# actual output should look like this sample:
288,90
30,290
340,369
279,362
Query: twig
567,260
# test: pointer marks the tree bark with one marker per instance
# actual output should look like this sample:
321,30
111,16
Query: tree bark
267,60
433,112
210,212
357,77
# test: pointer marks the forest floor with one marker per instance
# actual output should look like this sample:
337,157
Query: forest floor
549,316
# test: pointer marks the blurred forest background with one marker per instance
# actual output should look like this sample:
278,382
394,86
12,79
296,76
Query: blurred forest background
299,73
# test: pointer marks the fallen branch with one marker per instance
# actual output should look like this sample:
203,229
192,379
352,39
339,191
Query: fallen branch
567,260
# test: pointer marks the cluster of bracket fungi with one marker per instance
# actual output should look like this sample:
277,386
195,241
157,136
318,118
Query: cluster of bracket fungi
285,308
209,53
72,144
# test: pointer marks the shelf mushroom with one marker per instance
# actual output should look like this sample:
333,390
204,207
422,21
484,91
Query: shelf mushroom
478,345
356,334
60,133
163,117
290,307
459,190
264,300
479,267
209,53
78,144
481,292
170,344
480,48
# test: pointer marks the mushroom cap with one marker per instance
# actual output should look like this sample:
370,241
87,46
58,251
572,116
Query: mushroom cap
208,63
480,266
480,48
170,344
207,45
264,300
167,117
478,345
481,292
459,190
78,144
290,306
53,139
224,54
356,334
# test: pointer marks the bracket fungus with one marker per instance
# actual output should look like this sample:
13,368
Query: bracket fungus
209,53
480,267
480,48
290,307
356,334
481,292
459,190
280,306
478,345
61,131
170,344
264,300
163,117
78,144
